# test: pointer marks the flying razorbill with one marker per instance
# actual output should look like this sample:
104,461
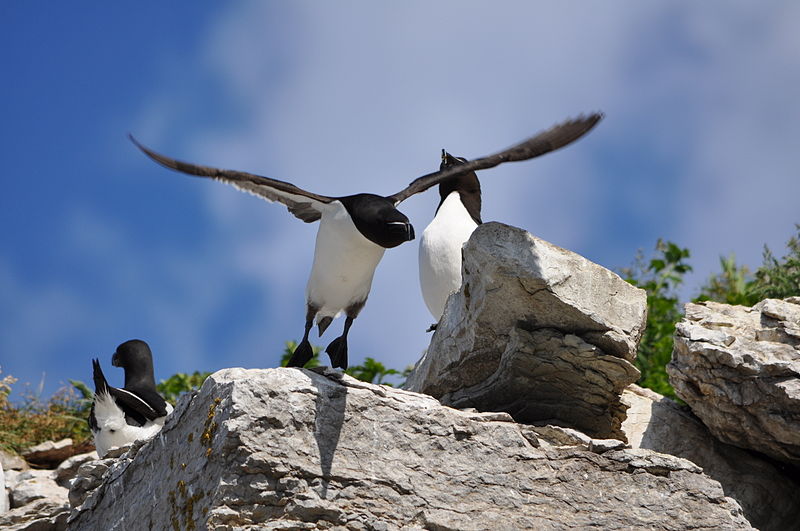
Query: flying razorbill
355,230
122,416
456,217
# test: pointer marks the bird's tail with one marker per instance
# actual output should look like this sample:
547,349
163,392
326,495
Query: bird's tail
100,383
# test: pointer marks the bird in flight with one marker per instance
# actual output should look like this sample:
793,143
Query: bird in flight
355,230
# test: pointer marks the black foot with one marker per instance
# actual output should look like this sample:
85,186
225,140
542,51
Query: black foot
432,327
337,350
302,354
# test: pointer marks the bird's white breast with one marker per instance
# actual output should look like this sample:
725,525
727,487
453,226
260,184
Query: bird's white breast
344,263
440,253
114,431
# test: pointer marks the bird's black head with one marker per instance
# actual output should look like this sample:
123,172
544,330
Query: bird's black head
135,357
378,220
467,185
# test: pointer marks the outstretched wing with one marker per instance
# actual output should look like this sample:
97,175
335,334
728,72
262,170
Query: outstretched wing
552,139
304,205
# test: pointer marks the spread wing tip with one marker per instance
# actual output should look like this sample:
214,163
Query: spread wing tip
161,159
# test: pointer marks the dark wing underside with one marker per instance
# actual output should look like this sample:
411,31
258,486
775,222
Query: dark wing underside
552,139
305,205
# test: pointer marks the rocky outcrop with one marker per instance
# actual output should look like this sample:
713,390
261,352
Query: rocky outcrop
41,515
768,495
3,496
300,449
50,453
536,331
37,501
738,368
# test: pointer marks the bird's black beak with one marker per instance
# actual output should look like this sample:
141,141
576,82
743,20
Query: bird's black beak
115,360
409,232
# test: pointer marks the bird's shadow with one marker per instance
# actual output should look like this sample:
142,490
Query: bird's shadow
331,402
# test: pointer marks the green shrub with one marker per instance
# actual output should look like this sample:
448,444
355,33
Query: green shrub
34,421
660,278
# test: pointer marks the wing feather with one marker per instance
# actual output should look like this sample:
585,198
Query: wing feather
305,205
552,139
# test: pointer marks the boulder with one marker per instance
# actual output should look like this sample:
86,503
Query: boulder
12,461
309,449
3,496
738,368
37,502
33,485
769,496
69,467
536,331
50,453
40,515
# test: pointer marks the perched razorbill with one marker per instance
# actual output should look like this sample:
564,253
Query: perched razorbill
136,411
458,214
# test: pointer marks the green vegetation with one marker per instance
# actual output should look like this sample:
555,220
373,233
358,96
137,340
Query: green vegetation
660,277
35,421
371,371
64,414
180,383
775,279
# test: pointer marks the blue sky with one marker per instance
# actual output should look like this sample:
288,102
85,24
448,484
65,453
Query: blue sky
99,245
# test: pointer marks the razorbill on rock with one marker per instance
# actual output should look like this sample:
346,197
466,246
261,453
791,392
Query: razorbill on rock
355,230
458,214
136,411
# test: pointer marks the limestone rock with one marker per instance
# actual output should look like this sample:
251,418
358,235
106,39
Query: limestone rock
33,485
769,496
88,477
537,331
12,462
40,515
738,368
299,449
67,469
49,453
3,496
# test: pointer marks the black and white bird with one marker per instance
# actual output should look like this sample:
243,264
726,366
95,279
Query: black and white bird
120,416
355,230
456,217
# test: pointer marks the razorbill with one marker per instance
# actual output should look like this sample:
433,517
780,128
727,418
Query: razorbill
456,217
136,411
355,230
458,214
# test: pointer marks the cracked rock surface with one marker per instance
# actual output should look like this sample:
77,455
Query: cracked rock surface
537,331
302,449
738,368
768,494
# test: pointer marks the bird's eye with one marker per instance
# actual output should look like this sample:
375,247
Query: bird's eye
112,431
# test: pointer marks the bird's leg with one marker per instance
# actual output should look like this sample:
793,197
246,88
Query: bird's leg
303,353
337,350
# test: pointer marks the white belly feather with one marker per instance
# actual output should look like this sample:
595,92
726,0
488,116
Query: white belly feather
344,263
440,253
114,431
